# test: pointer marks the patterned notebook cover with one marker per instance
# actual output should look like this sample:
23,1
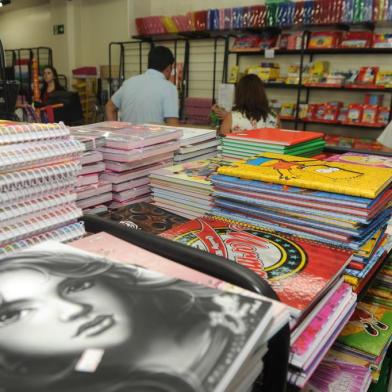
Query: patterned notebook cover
299,271
196,173
109,326
146,217
355,180
362,159
369,329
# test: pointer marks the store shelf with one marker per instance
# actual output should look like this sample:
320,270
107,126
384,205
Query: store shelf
327,87
206,34
342,149
336,124
337,51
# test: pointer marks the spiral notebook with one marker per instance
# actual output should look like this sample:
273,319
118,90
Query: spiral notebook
18,133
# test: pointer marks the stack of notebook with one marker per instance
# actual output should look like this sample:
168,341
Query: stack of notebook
245,144
185,189
197,110
196,144
131,153
306,276
162,326
361,351
92,194
38,168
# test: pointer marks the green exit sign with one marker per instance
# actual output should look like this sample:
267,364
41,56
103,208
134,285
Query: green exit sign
58,29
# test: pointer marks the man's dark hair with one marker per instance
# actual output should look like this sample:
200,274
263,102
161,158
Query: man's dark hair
160,58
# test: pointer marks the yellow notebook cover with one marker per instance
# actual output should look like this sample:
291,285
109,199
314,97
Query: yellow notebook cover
336,177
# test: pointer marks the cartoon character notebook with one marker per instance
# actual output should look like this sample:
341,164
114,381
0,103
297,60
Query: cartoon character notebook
299,271
109,326
284,137
369,329
363,159
345,178
196,173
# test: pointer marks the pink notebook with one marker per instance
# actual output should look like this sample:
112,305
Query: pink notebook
92,168
127,136
137,154
94,200
117,178
131,193
85,192
87,180
123,166
118,204
123,186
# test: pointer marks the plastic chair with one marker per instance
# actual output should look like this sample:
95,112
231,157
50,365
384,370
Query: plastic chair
276,360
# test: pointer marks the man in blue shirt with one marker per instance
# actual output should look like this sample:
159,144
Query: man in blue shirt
150,97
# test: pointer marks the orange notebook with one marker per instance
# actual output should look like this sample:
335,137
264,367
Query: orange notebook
284,137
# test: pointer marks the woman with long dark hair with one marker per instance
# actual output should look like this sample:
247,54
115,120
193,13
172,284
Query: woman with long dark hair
153,333
251,109
51,83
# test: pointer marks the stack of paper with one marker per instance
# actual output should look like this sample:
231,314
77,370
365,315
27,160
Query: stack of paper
305,275
131,153
340,204
196,144
38,168
142,322
245,144
92,194
361,350
185,189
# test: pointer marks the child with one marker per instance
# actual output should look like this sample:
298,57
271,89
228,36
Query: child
251,109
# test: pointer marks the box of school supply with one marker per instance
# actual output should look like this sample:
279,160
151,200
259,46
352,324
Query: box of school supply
384,78
324,40
382,40
370,114
357,39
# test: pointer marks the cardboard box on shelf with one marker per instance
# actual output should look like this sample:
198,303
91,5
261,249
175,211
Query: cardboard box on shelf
104,71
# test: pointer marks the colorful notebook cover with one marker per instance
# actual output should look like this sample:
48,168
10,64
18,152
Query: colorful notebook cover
362,159
127,328
126,136
369,330
345,178
299,271
145,216
196,173
283,137
339,376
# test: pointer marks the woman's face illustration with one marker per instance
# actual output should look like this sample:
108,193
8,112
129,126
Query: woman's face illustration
46,314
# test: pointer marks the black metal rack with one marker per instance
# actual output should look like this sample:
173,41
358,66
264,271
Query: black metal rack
43,55
276,361
300,87
173,39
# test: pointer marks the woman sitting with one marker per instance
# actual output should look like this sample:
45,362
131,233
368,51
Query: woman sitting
251,108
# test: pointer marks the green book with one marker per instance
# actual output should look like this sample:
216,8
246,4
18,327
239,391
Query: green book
315,142
369,329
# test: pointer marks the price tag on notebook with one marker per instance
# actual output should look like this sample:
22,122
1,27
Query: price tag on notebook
269,53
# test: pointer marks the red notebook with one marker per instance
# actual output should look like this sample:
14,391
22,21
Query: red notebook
299,271
284,137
